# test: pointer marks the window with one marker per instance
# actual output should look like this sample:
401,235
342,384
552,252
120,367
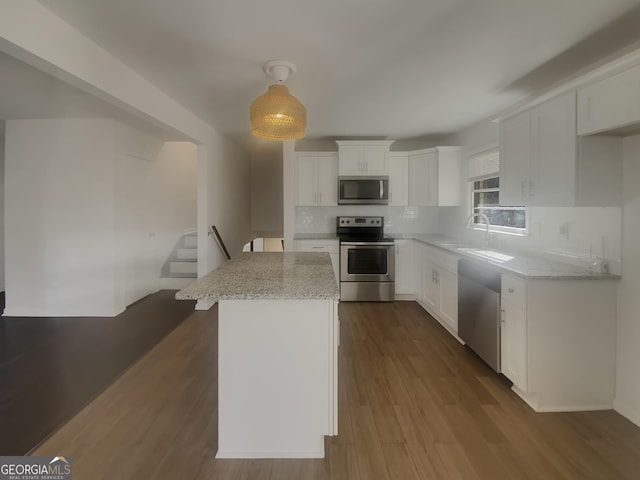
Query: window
485,195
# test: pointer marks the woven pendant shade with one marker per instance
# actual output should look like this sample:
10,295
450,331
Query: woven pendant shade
278,115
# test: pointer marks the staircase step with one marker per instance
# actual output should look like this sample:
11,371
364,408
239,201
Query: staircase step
187,254
190,241
183,267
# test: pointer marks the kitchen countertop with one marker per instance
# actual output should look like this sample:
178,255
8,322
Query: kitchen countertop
267,276
527,265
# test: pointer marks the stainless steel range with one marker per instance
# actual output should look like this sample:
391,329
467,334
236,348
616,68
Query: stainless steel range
367,261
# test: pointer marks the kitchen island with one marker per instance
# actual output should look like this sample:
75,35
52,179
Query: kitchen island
278,336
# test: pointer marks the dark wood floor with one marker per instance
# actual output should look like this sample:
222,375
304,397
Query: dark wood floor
413,404
51,367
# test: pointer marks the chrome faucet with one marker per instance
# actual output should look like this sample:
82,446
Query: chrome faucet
486,222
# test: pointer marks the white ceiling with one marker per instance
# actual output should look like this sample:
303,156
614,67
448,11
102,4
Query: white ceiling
385,68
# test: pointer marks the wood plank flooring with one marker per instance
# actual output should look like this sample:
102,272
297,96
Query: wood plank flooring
50,367
413,403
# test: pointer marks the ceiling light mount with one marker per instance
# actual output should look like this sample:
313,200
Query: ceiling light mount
278,115
279,69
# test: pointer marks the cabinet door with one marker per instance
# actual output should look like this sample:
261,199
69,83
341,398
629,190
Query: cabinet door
375,159
405,275
350,160
513,331
515,148
514,343
306,178
448,286
430,292
611,103
421,169
553,153
327,180
398,179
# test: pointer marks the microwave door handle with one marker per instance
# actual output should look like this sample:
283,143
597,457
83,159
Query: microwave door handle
381,189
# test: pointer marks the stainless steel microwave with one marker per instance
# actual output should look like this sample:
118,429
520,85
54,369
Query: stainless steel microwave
363,190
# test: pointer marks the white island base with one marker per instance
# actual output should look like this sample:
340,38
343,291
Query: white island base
277,377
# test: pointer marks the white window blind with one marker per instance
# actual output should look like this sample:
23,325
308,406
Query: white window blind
484,164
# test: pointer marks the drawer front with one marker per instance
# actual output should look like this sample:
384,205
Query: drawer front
329,246
514,290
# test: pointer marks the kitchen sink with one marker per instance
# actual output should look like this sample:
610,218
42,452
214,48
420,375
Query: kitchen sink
487,254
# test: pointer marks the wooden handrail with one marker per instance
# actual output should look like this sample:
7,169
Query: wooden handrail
220,242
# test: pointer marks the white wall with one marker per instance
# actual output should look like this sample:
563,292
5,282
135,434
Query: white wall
93,210
59,218
266,190
627,399
155,204
2,284
224,190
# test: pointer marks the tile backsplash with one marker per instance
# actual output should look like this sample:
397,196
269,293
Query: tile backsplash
396,219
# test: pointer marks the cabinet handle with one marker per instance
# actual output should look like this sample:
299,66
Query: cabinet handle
320,195
437,277
502,320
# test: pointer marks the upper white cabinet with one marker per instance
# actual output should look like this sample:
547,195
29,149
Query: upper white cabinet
538,155
542,163
363,157
610,104
434,177
398,179
316,179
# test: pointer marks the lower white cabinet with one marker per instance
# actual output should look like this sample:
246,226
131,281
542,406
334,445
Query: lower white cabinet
405,274
558,342
438,286
513,331
331,247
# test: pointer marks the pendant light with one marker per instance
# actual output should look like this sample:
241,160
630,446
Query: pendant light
278,115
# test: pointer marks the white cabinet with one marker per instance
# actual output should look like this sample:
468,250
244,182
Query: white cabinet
316,179
542,162
405,275
513,332
434,177
558,342
363,157
398,179
538,155
611,103
438,284
332,247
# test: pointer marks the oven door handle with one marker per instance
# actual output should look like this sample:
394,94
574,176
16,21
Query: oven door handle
381,190
368,244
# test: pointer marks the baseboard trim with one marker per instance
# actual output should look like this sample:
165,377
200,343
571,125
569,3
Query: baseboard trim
627,412
250,455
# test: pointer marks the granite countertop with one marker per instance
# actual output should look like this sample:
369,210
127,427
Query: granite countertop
527,265
315,236
268,276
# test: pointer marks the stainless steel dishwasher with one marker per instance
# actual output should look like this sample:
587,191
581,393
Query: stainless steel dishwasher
479,310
